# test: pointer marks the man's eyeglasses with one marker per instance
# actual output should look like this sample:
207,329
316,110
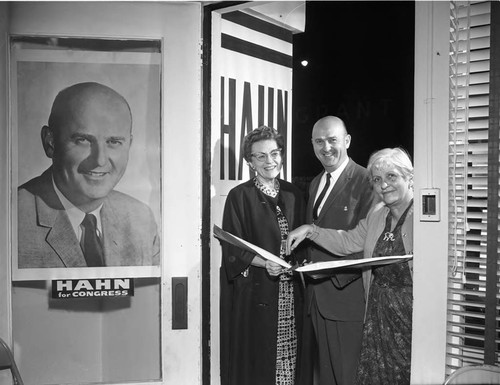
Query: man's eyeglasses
262,157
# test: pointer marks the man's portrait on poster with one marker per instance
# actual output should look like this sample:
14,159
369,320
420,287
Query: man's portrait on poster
73,213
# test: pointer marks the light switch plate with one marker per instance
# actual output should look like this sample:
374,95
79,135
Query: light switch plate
431,205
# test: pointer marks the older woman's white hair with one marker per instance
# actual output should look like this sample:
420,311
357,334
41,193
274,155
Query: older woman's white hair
396,156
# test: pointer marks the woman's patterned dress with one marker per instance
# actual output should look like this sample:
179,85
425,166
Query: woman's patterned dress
286,353
386,350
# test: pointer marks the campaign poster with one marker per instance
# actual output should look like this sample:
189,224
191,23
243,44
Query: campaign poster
85,139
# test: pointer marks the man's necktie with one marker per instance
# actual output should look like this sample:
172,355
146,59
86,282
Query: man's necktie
321,196
92,248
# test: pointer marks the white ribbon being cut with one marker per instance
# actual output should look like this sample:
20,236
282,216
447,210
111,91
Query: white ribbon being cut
315,270
245,245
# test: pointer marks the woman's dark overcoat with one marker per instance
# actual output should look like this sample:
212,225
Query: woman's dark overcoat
249,304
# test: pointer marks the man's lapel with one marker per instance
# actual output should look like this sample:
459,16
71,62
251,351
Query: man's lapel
337,188
313,190
60,235
117,244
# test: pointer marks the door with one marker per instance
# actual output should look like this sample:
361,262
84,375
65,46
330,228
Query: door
60,325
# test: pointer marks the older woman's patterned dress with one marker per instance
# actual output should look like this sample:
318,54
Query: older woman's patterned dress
286,346
386,350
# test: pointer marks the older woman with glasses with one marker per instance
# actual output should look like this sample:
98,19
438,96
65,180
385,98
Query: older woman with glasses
386,231
260,301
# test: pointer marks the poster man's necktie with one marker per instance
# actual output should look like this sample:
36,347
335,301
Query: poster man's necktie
92,248
321,196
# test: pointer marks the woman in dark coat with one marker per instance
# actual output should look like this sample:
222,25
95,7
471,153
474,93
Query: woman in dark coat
260,301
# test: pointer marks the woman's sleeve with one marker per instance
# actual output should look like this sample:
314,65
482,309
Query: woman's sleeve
341,242
234,259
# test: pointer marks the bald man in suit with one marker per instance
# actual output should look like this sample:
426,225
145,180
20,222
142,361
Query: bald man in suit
339,197
71,216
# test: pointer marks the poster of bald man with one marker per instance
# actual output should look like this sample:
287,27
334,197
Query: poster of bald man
86,154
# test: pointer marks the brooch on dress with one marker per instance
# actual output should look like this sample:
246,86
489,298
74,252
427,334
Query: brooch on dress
388,236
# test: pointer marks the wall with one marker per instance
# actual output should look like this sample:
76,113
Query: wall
431,171
5,309
179,25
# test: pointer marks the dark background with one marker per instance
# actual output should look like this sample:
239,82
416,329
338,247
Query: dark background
361,68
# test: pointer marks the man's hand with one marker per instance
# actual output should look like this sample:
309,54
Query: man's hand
296,236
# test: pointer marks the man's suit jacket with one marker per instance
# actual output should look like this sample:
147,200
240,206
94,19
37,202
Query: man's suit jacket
46,237
340,297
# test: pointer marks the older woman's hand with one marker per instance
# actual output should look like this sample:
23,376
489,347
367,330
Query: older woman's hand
274,269
296,236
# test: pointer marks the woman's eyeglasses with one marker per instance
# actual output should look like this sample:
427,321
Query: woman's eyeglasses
262,157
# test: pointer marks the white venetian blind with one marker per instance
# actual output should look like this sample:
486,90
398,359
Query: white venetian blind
473,283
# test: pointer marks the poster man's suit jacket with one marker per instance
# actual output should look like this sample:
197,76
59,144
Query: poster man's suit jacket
46,238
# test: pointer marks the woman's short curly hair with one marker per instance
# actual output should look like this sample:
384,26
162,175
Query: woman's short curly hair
398,156
261,133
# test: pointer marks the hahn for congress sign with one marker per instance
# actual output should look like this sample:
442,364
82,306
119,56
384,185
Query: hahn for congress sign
85,288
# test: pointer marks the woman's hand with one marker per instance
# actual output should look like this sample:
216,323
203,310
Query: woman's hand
296,236
274,269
